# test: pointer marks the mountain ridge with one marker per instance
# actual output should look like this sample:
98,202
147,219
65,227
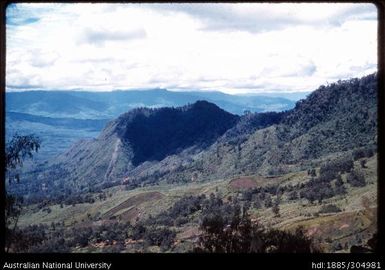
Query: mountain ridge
333,120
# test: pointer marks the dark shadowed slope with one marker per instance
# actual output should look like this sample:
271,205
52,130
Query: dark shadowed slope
157,133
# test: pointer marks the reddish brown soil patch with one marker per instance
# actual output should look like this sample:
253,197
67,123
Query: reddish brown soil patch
243,183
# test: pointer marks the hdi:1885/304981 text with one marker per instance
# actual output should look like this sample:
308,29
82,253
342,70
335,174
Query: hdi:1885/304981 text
353,265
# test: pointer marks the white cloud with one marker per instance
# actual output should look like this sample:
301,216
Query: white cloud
235,48
101,36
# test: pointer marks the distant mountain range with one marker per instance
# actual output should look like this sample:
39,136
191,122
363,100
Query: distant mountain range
202,142
108,105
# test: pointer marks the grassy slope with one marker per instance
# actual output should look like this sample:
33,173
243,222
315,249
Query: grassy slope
355,219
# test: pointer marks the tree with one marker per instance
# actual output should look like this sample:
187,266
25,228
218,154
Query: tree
257,202
292,196
339,181
312,172
238,235
363,163
356,178
371,246
19,148
339,186
277,241
268,201
330,208
276,208
16,151
243,236
159,236
329,170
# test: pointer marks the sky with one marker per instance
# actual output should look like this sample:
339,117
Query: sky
234,48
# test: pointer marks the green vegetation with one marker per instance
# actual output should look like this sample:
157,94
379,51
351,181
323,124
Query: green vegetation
198,178
179,220
356,178
16,151
330,208
237,234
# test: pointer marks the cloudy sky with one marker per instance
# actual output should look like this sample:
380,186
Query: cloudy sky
235,48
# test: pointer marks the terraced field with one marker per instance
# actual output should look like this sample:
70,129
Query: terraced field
132,203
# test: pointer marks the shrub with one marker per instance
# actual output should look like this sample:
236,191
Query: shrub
275,209
329,170
138,232
330,208
257,203
293,195
363,163
268,201
277,241
317,190
356,178
181,220
312,172
159,236
358,153
364,152
53,245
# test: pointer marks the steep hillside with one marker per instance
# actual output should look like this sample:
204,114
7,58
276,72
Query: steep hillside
201,142
156,134
333,121
136,140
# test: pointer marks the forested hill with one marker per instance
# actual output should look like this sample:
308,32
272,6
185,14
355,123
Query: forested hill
354,98
333,120
154,134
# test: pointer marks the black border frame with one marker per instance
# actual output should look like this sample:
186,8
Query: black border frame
295,261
